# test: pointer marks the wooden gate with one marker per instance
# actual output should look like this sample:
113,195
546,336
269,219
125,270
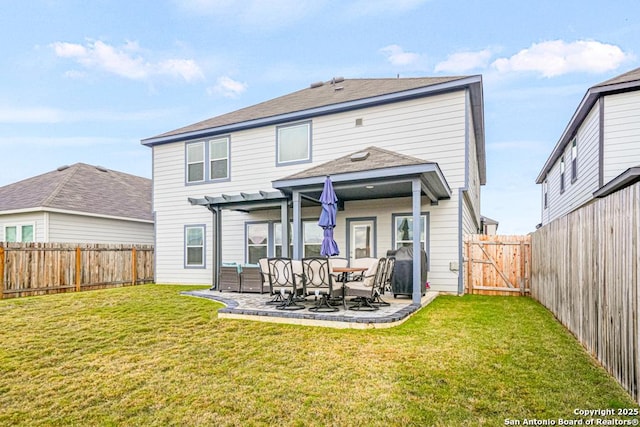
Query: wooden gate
497,265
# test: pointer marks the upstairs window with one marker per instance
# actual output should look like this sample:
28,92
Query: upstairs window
574,161
215,152
545,196
219,158
562,174
293,144
195,162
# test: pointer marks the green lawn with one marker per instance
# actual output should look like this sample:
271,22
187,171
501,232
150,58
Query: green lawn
147,356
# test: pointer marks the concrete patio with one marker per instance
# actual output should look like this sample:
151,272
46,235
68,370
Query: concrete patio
248,306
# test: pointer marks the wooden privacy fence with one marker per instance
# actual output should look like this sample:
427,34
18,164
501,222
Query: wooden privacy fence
497,265
585,268
45,268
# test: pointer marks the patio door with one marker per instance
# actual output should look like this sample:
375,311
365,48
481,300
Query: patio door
362,237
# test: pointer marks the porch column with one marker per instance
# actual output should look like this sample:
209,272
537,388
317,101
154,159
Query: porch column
416,193
297,225
217,245
284,219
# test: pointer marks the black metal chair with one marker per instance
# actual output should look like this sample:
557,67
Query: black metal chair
318,281
282,283
364,290
384,284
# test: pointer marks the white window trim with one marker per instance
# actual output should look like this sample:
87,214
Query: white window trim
574,160
18,226
206,162
188,163
227,158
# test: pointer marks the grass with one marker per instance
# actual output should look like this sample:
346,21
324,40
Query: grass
147,356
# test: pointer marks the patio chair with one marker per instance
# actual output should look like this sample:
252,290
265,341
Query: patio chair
364,290
251,279
318,281
229,278
384,284
365,262
282,282
264,270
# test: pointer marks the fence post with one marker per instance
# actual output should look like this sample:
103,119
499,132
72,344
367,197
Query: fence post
1,272
78,268
522,269
134,273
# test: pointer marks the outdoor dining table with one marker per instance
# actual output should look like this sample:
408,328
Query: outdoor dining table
345,271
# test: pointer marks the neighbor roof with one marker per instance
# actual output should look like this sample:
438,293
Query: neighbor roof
322,94
629,81
82,188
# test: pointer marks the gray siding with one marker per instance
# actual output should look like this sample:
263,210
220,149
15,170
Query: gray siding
579,192
621,133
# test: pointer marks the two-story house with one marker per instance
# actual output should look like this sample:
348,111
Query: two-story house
399,152
599,150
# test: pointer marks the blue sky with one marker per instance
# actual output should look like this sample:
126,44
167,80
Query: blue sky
86,81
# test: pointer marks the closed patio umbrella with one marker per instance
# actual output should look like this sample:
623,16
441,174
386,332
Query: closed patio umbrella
327,219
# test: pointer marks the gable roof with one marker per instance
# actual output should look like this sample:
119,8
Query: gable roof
626,82
320,98
82,188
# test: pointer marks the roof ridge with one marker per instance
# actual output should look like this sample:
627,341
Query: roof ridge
74,169
394,153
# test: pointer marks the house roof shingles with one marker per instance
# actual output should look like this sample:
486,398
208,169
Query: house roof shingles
314,97
377,158
82,188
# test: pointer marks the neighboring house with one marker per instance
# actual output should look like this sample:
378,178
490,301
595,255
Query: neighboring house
397,150
78,204
489,226
599,151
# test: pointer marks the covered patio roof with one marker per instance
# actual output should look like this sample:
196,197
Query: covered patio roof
372,173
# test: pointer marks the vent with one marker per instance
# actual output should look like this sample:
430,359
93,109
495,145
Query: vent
316,85
63,167
358,157
337,80
359,122
102,169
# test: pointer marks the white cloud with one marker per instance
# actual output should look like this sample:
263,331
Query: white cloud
398,57
125,61
227,87
557,57
462,62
